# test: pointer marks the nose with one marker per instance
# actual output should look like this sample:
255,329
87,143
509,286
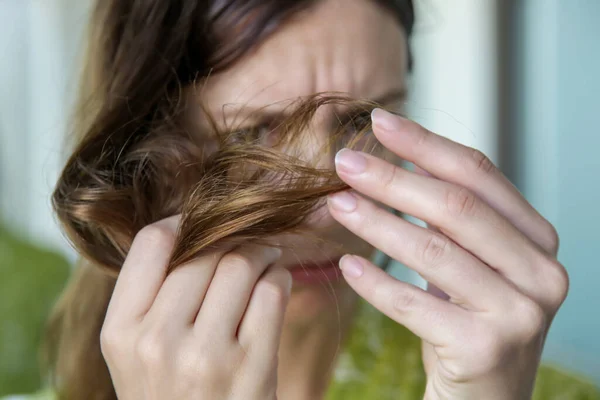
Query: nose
317,145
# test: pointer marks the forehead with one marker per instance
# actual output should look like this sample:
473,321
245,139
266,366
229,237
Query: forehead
351,46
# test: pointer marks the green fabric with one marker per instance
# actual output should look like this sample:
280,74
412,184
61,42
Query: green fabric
30,281
41,395
381,359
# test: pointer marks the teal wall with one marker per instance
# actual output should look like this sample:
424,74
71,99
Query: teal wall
549,145
551,150
577,332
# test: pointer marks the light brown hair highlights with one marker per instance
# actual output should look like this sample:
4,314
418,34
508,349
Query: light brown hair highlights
137,161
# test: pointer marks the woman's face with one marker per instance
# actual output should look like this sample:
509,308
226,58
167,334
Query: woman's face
352,46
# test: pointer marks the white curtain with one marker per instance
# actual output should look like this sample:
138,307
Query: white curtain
454,83
455,78
39,43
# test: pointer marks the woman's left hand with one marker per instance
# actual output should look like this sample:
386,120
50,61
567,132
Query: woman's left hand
492,255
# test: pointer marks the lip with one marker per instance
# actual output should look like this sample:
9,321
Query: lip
317,273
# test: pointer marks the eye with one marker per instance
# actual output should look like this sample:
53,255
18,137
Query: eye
269,134
356,130
358,123
266,134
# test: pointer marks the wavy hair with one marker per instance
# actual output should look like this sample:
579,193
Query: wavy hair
136,160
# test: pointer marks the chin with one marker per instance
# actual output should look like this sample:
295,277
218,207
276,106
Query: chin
314,302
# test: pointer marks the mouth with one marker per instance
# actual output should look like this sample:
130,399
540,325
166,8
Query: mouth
317,273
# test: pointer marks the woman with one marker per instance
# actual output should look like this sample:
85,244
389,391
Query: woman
221,321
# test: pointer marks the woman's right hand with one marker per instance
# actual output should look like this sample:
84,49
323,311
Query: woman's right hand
209,330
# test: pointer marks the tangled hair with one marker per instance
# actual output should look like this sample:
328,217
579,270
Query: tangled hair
137,160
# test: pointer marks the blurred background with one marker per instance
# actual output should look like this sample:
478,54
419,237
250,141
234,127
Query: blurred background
517,79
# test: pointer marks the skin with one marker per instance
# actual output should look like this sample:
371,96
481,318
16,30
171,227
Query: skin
490,303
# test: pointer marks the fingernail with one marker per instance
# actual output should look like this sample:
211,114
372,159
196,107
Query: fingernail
343,201
276,252
351,266
350,161
385,120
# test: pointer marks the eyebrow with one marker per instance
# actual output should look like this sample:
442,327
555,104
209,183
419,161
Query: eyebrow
264,114
391,96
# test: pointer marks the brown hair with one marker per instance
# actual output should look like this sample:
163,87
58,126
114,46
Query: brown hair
137,161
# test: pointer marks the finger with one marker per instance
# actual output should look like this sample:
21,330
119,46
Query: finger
230,289
260,329
556,278
432,319
431,288
463,166
183,291
260,332
457,212
439,260
143,271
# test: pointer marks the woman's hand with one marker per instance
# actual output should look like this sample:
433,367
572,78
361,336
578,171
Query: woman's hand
492,255
210,329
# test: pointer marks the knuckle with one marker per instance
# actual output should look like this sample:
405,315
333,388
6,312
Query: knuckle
557,283
434,250
236,263
460,202
389,177
423,140
479,162
531,320
404,300
110,339
551,239
150,348
156,236
275,292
